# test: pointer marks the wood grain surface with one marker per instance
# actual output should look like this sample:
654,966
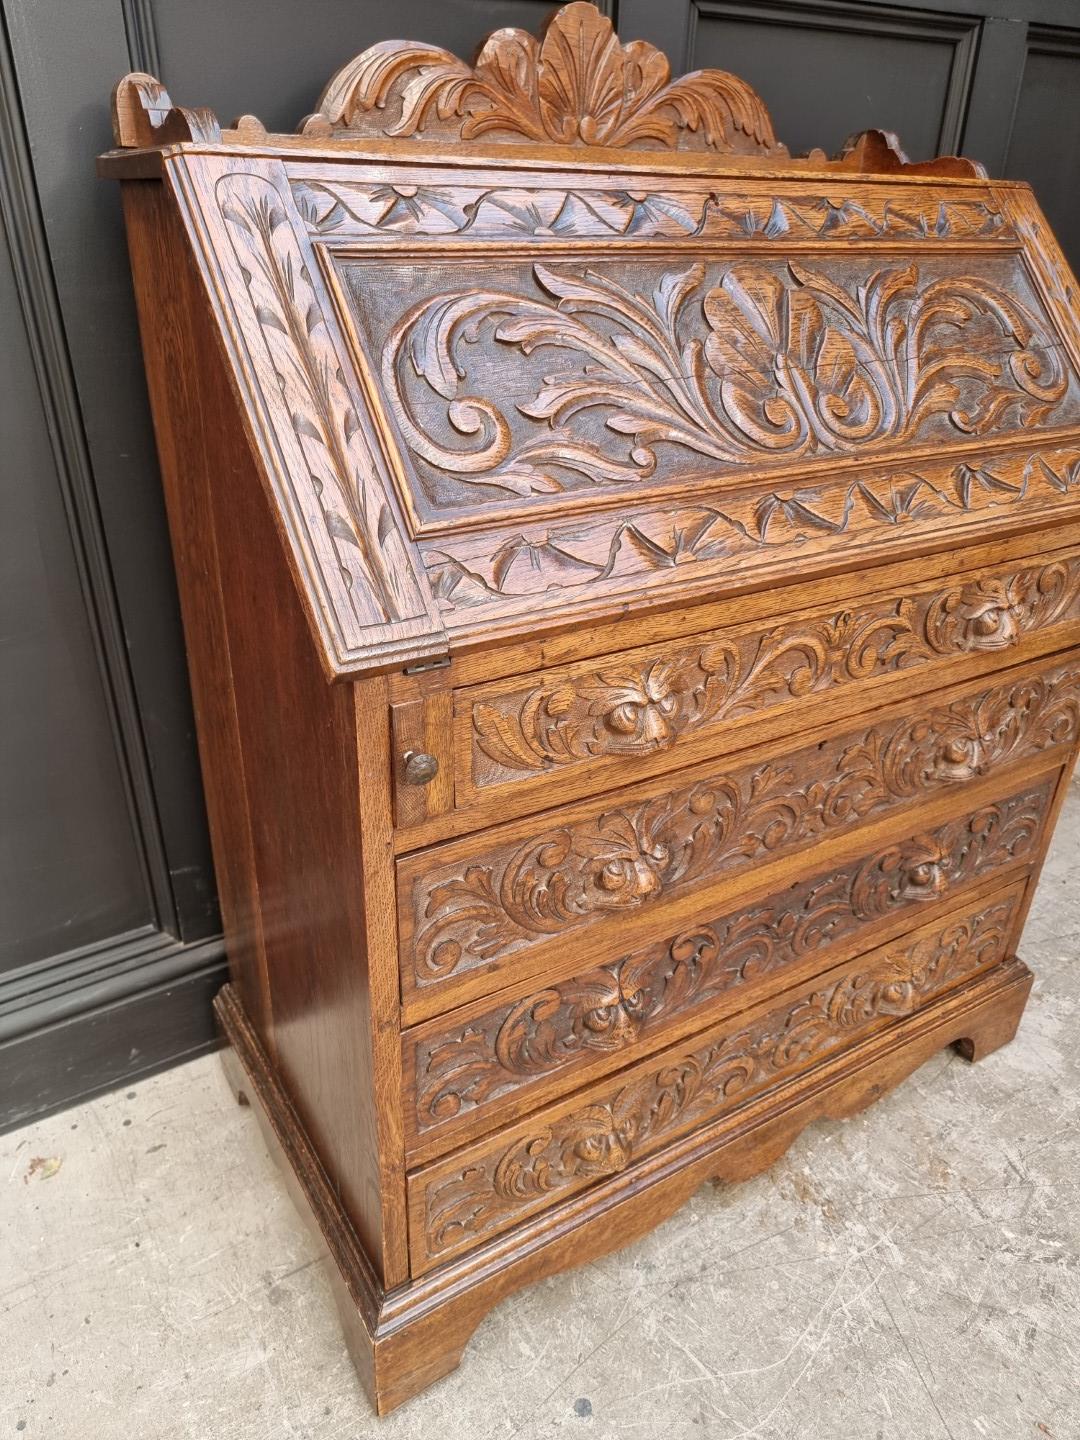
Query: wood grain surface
631,581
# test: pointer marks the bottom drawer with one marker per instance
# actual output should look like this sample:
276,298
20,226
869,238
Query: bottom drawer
486,1188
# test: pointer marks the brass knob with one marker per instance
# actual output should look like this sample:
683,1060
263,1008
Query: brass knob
420,768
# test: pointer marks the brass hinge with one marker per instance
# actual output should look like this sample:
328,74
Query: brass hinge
421,665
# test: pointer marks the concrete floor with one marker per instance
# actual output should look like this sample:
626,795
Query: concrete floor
911,1273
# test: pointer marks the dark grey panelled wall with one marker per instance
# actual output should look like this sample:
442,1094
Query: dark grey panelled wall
109,946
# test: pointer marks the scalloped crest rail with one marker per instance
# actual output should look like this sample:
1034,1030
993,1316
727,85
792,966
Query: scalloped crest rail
577,85
631,582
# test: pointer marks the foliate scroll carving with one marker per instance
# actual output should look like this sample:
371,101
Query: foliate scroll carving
143,114
578,86
351,499
625,1122
613,1006
724,366
640,705
574,874
355,209
645,547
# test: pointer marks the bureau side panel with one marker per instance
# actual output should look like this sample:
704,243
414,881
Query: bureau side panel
278,744
193,427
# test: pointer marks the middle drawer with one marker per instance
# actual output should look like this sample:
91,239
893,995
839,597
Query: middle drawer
562,888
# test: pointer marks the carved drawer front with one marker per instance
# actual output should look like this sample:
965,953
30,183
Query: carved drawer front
601,722
485,911
462,1071
476,1193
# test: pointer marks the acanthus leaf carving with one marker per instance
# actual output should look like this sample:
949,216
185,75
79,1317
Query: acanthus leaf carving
515,896
751,361
576,86
626,1121
639,706
611,1007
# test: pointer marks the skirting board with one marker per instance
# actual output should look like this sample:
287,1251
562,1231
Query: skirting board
92,1034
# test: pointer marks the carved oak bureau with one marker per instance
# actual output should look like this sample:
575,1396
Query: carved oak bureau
631,580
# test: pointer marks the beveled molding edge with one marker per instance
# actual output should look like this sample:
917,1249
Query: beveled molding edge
403,1340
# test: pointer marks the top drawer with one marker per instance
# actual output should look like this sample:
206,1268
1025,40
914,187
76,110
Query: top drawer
607,721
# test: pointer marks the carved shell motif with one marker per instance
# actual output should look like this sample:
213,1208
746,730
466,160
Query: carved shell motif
578,86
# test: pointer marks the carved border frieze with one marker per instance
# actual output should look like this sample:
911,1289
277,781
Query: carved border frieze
368,598
357,210
322,410
657,542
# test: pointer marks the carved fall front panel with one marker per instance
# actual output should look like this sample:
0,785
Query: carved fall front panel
502,1184
512,382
